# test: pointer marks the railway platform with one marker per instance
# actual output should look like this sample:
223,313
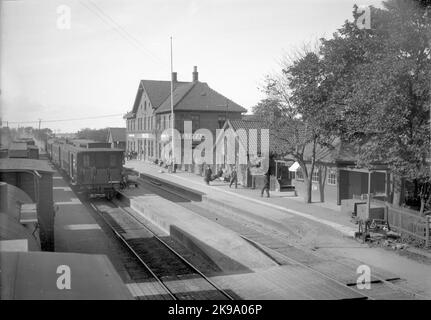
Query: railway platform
244,270
315,236
277,207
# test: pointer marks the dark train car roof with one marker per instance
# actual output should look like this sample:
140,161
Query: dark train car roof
16,164
18,145
33,275
81,149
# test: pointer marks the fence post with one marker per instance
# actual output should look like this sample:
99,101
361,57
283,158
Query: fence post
427,232
400,220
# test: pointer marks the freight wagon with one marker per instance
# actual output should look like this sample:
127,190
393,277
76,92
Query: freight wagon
92,167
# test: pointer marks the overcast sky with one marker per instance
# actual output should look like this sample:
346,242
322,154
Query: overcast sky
93,69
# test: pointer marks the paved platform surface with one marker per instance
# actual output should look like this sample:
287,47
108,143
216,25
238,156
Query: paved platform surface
225,248
275,283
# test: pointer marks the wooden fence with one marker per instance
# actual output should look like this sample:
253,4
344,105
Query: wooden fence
410,223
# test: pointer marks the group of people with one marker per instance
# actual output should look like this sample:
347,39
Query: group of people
233,178
221,173
131,155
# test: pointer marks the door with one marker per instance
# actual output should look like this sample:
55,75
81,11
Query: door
72,173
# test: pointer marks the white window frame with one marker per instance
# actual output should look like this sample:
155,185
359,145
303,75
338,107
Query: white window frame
300,176
332,182
315,175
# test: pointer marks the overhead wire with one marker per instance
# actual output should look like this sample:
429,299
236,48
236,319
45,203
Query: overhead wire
108,20
68,119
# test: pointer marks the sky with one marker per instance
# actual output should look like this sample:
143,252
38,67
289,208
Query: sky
80,61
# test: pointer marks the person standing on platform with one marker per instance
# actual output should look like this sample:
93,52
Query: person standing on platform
266,181
233,178
208,175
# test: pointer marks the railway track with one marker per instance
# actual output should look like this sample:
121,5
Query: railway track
276,247
172,272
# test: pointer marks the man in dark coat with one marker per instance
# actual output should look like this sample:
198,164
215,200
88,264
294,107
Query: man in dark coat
233,178
208,175
266,184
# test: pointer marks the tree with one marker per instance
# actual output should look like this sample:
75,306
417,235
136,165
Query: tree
381,80
368,87
297,112
93,134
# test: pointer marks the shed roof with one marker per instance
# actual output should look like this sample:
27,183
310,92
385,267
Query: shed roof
244,135
118,134
339,151
18,164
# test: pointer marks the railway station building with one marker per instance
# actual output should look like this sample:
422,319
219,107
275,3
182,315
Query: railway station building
193,101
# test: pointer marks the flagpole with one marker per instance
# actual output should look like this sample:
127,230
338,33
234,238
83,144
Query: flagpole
172,112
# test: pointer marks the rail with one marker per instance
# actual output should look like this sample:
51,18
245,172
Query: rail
124,241
215,286
160,281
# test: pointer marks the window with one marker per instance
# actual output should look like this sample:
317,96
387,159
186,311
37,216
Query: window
195,122
315,177
179,122
299,175
332,177
145,105
221,121
158,124
86,160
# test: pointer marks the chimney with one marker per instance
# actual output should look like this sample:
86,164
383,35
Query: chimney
174,77
195,74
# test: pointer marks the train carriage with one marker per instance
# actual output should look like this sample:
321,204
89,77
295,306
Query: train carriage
91,166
